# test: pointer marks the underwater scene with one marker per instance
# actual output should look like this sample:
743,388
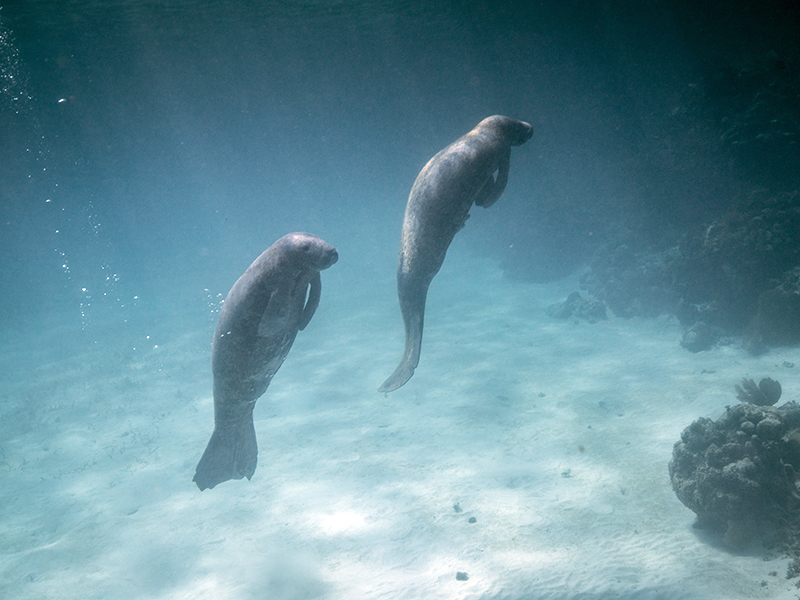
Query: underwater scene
223,225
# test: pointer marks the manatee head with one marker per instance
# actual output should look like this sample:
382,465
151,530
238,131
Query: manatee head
516,132
310,250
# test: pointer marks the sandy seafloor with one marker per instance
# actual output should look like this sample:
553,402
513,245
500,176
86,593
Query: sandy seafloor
554,435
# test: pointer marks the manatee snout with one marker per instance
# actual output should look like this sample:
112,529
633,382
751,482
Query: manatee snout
315,252
326,257
525,133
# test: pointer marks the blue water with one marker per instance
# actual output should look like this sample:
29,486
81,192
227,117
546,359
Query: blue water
150,151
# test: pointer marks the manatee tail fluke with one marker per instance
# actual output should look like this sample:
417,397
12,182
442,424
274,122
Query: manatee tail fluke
232,453
401,375
410,360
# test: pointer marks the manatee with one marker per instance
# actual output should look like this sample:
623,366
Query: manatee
471,170
273,300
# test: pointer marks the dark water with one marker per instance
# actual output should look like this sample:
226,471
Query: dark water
151,149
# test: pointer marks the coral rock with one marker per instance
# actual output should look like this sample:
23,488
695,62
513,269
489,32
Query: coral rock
741,469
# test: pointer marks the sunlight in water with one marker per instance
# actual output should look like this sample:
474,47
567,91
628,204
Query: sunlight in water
346,520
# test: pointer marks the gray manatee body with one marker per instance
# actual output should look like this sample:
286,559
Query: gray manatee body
273,300
459,176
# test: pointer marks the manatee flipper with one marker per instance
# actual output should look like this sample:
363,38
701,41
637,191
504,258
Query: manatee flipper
494,188
232,453
312,302
413,308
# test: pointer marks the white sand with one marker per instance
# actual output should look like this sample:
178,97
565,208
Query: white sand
554,435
